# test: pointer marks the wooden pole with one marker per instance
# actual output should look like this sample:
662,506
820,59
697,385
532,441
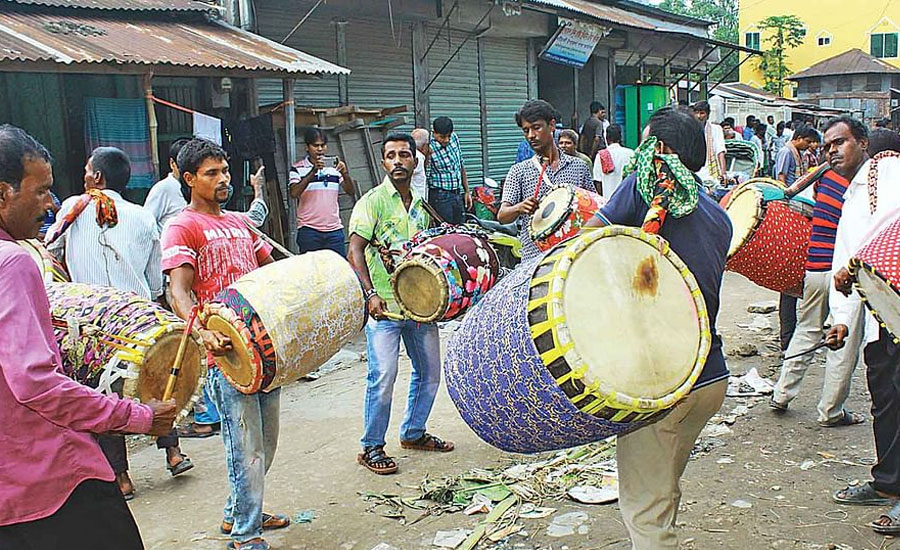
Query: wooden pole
290,146
179,356
154,125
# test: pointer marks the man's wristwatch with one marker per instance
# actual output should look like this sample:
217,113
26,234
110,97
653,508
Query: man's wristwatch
369,293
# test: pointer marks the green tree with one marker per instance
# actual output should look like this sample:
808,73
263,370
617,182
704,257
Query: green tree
724,16
783,33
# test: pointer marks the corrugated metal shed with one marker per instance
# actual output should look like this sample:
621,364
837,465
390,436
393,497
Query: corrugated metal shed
92,40
125,5
619,16
853,61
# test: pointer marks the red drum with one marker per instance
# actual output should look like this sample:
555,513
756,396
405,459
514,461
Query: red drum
877,271
770,236
561,215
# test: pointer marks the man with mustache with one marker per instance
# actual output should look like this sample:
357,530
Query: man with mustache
871,202
205,249
529,181
56,489
383,220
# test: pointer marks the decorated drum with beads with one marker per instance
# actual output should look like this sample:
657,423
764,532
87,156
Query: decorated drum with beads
562,214
116,341
445,271
286,319
770,236
876,269
600,336
52,270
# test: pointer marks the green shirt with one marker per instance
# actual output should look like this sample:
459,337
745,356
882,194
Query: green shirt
380,218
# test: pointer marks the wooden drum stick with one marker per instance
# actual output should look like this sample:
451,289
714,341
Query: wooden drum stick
179,356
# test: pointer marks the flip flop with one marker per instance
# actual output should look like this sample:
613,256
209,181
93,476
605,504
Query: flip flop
254,545
847,418
181,467
128,496
190,431
861,495
270,522
893,528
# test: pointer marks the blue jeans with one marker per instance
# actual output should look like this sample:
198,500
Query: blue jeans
449,204
250,435
205,411
383,345
309,240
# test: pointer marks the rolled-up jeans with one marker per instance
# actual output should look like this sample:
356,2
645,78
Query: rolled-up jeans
383,345
250,435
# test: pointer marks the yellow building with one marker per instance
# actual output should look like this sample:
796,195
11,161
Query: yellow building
832,27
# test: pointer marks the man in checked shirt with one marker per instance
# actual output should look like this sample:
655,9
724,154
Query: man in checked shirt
537,119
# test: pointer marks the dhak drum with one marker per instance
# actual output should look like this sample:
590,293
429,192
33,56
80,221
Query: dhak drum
286,319
562,214
445,271
52,270
876,268
770,236
603,334
117,342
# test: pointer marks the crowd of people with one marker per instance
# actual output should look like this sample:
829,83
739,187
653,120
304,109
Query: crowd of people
182,248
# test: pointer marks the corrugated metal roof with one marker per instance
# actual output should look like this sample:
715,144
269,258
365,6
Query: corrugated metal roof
102,39
126,5
853,61
620,16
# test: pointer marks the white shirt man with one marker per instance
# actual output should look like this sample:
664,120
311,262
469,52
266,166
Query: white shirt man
716,137
165,200
857,227
621,156
419,183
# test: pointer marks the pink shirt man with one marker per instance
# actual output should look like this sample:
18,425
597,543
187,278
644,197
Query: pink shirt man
318,206
45,448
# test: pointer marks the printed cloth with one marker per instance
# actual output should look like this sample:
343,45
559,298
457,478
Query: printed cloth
444,171
606,161
106,214
665,184
121,123
381,218
872,178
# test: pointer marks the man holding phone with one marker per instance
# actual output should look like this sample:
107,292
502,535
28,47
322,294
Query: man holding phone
315,184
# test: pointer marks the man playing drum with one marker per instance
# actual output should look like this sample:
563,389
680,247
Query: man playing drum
530,180
652,459
205,250
872,202
383,220
123,253
56,487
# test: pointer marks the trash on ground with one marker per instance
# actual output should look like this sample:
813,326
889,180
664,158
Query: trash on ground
750,384
304,516
762,307
745,350
480,505
741,504
450,539
565,524
807,465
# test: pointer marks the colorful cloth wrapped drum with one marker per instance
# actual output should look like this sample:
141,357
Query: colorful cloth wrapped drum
52,270
286,319
562,214
605,332
445,271
877,271
770,236
116,341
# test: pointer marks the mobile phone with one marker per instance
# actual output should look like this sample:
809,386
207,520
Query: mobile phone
330,161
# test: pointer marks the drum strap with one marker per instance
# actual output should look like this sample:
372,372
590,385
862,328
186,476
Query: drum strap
112,373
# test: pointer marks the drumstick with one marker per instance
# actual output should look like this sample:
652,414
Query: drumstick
394,316
544,163
179,356
269,240
818,346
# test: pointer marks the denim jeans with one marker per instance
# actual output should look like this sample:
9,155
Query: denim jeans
205,411
448,204
309,240
383,345
250,435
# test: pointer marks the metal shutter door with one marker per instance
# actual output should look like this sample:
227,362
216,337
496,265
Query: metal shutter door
506,89
381,70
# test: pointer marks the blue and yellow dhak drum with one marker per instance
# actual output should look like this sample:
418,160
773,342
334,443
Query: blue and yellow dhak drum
604,333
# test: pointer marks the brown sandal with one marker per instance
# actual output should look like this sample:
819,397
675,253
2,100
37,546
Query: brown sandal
429,442
269,522
376,460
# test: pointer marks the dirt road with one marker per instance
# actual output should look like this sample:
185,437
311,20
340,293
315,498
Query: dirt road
767,484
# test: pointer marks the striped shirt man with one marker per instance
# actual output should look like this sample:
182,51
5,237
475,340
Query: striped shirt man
126,256
829,193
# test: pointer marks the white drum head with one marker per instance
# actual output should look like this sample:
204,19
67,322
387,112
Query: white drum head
552,210
881,298
743,211
631,317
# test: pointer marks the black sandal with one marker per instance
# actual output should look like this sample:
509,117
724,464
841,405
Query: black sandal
376,460
429,442
861,495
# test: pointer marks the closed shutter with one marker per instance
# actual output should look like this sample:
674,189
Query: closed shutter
455,94
316,37
381,65
506,89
